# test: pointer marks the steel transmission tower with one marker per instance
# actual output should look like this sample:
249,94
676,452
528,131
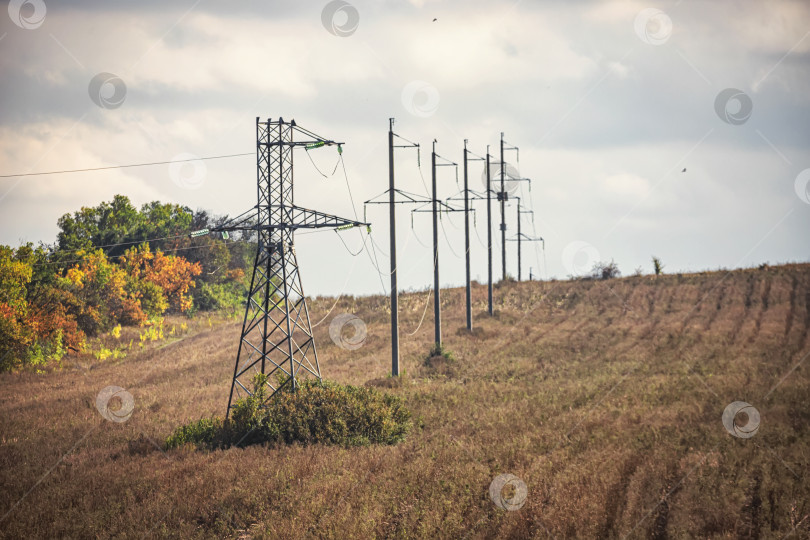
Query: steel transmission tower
276,337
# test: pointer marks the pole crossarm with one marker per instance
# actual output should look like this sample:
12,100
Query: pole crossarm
444,207
509,178
522,237
447,163
410,144
508,146
407,198
474,196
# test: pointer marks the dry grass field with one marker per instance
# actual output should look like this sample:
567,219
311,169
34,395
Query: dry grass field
604,397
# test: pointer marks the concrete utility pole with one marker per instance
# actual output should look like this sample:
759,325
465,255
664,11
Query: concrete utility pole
518,236
489,235
435,207
392,220
407,198
468,291
437,306
467,209
522,237
502,198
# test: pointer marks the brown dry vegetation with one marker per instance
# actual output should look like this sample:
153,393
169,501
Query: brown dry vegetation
605,398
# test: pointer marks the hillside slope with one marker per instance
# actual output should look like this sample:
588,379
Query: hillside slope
604,397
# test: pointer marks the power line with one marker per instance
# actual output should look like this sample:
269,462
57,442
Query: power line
125,166
371,258
534,233
449,245
337,299
427,302
60,251
359,251
340,157
234,242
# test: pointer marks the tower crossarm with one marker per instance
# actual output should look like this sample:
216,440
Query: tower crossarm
303,218
300,218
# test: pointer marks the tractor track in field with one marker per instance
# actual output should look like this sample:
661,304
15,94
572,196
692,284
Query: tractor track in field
792,306
717,306
748,301
764,304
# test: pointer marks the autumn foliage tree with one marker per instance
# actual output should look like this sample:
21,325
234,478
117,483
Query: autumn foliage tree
35,326
173,275
15,335
101,288
111,265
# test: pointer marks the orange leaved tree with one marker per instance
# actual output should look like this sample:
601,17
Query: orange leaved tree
174,275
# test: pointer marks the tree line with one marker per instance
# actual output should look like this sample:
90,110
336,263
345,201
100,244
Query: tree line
113,264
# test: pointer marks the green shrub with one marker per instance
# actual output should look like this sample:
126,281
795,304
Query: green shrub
318,412
216,296
46,352
438,352
205,431
658,266
439,362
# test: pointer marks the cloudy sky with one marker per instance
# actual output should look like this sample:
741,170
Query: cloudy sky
607,101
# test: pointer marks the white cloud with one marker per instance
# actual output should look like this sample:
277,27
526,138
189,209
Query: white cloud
626,185
602,120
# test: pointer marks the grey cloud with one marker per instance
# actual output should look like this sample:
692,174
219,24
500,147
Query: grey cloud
640,119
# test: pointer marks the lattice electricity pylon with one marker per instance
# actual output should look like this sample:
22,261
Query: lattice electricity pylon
276,338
